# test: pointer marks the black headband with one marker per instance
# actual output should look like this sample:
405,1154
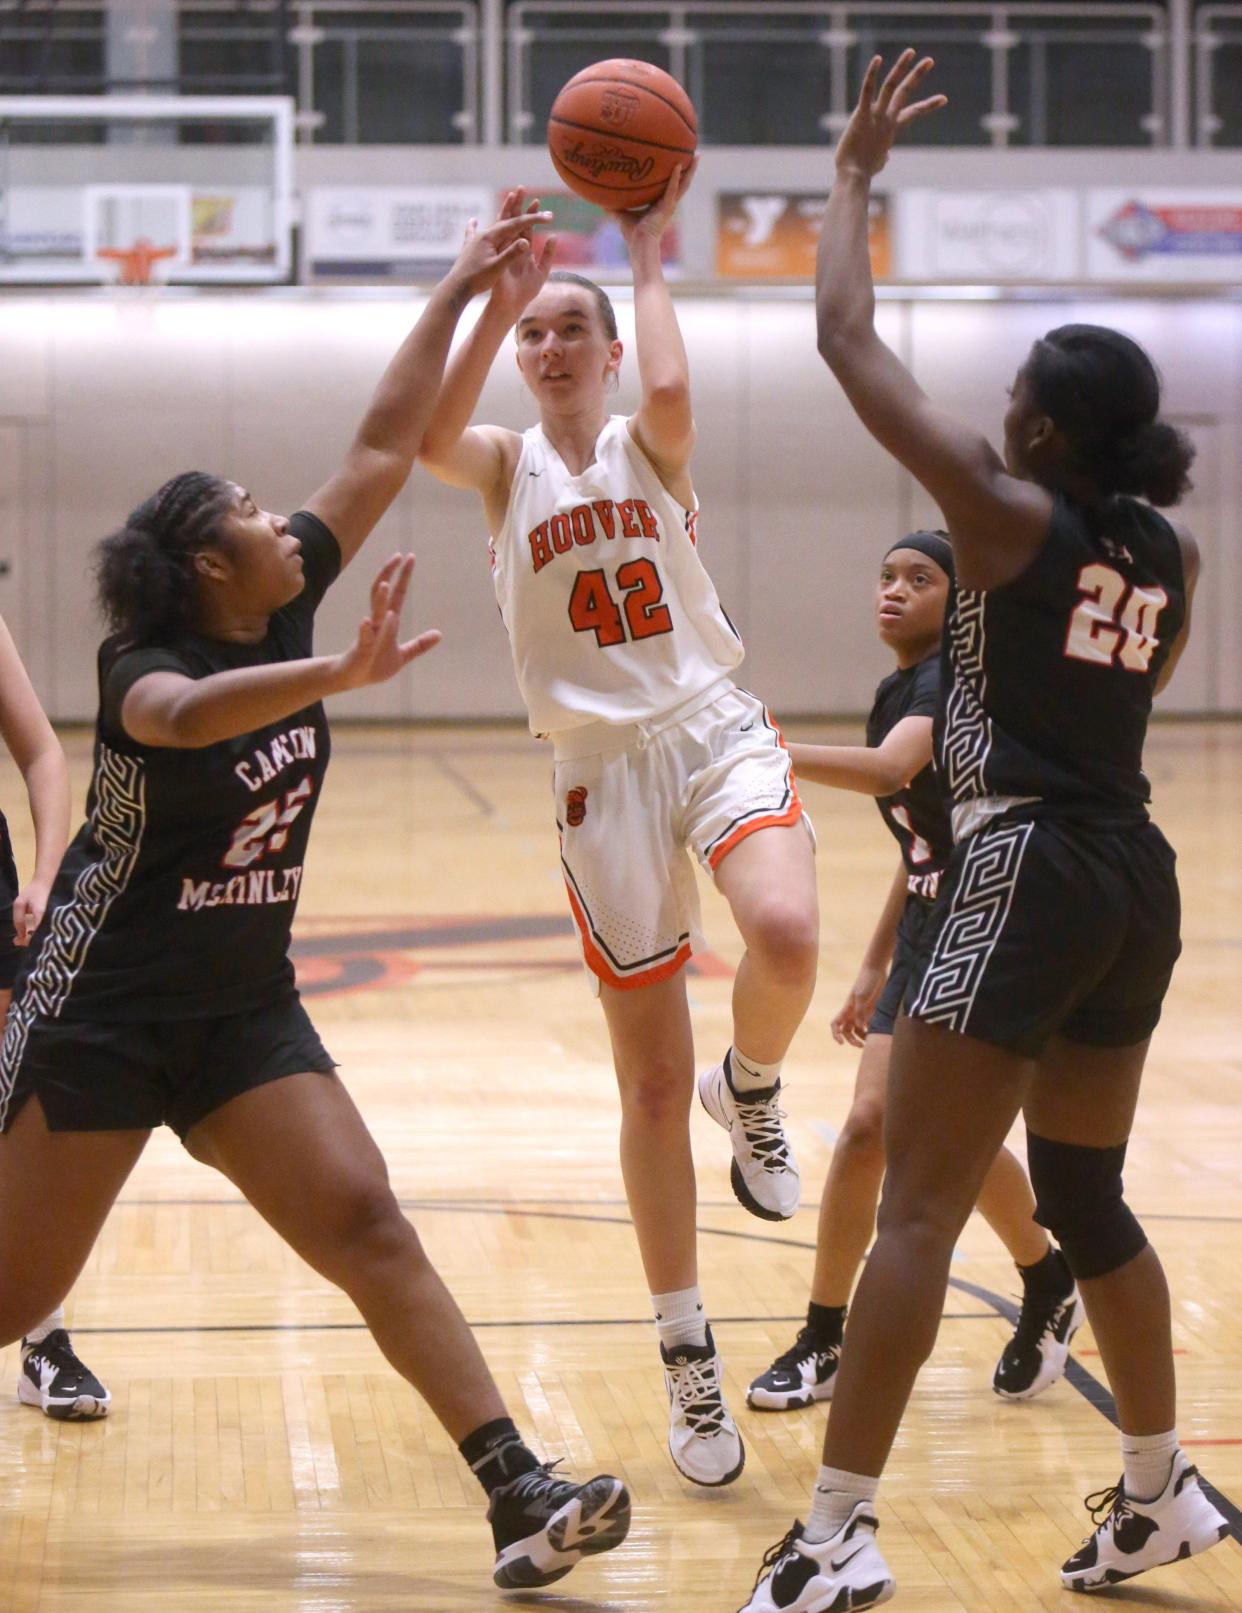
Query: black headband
933,544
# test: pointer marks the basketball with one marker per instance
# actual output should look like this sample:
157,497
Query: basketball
617,131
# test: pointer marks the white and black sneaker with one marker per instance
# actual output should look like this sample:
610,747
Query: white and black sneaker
544,1525
764,1173
53,1379
1137,1535
805,1373
839,1575
702,1437
1035,1356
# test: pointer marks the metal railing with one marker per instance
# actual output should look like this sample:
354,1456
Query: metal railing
484,70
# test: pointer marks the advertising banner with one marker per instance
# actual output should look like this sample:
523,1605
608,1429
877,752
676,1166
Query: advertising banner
773,235
1164,235
988,236
373,232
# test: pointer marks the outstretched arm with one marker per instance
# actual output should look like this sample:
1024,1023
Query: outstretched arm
664,424
387,443
997,521
452,450
170,710
37,753
1191,566
871,770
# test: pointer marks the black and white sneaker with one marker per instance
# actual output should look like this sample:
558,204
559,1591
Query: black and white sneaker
702,1437
1137,1535
53,1379
1035,1356
764,1173
805,1373
840,1575
543,1525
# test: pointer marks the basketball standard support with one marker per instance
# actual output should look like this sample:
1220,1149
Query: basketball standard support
196,167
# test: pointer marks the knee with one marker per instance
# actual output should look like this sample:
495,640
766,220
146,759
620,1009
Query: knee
366,1228
1079,1198
861,1142
782,933
657,1095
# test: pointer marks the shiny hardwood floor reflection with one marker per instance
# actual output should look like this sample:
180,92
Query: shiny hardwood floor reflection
261,1456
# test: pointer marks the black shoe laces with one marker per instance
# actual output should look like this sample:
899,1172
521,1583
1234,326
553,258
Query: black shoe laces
775,1556
57,1349
806,1344
1108,1505
1036,1318
537,1483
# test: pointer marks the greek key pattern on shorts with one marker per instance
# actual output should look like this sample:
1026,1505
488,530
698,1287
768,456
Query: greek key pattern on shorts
118,822
977,912
967,736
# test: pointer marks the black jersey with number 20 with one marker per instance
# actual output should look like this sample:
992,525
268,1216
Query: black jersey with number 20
917,815
1049,680
176,898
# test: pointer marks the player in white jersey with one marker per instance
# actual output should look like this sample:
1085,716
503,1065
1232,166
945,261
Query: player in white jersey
624,657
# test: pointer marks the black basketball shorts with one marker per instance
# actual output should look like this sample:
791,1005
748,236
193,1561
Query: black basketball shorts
1049,928
910,930
10,955
103,1075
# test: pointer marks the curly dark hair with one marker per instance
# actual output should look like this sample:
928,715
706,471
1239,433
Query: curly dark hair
144,573
1103,392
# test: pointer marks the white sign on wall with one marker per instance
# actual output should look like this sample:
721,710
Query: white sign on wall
1162,235
373,232
988,235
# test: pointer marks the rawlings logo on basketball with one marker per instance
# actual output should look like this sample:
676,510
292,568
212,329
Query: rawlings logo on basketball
600,159
617,108
575,806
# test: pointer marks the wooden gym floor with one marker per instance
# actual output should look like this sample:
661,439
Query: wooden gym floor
261,1456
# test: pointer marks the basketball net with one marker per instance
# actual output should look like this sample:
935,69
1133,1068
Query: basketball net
135,263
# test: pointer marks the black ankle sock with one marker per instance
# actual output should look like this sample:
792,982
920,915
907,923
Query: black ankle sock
497,1453
826,1322
1049,1275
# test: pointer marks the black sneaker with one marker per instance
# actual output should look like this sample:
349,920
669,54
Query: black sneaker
1036,1354
53,1379
807,1372
543,1525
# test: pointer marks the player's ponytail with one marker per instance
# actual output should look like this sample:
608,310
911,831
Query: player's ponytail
145,573
1103,393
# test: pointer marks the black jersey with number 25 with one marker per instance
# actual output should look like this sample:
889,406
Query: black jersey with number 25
917,815
1049,680
176,898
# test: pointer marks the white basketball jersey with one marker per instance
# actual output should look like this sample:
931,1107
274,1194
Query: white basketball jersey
611,616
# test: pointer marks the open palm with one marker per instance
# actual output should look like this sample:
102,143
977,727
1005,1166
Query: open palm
377,655
868,136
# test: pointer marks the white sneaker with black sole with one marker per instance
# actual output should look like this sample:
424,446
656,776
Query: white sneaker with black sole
805,1373
62,1387
702,1437
764,1172
839,1575
1035,1356
543,1525
1137,1535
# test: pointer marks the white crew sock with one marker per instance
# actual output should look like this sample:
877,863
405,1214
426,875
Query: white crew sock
679,1317
837,1493
49,1325
745,1074
1148,1460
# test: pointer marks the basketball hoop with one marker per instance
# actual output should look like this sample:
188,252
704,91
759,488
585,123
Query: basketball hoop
135,263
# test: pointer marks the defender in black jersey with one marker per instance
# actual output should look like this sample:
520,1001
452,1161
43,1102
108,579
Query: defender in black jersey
1056,931
51,1377
159,989
897,768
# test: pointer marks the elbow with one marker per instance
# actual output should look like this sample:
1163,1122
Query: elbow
889,781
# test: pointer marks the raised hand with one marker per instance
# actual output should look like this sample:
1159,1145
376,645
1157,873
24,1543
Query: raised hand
488,253
377,655
868,136
524,276
654,220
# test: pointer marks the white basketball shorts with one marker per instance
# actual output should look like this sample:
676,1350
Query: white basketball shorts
632,800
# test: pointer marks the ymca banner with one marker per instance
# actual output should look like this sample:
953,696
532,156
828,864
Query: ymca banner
988,235
1164,235
773,235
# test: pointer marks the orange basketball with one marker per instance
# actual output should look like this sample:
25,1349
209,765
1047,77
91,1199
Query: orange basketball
617,131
